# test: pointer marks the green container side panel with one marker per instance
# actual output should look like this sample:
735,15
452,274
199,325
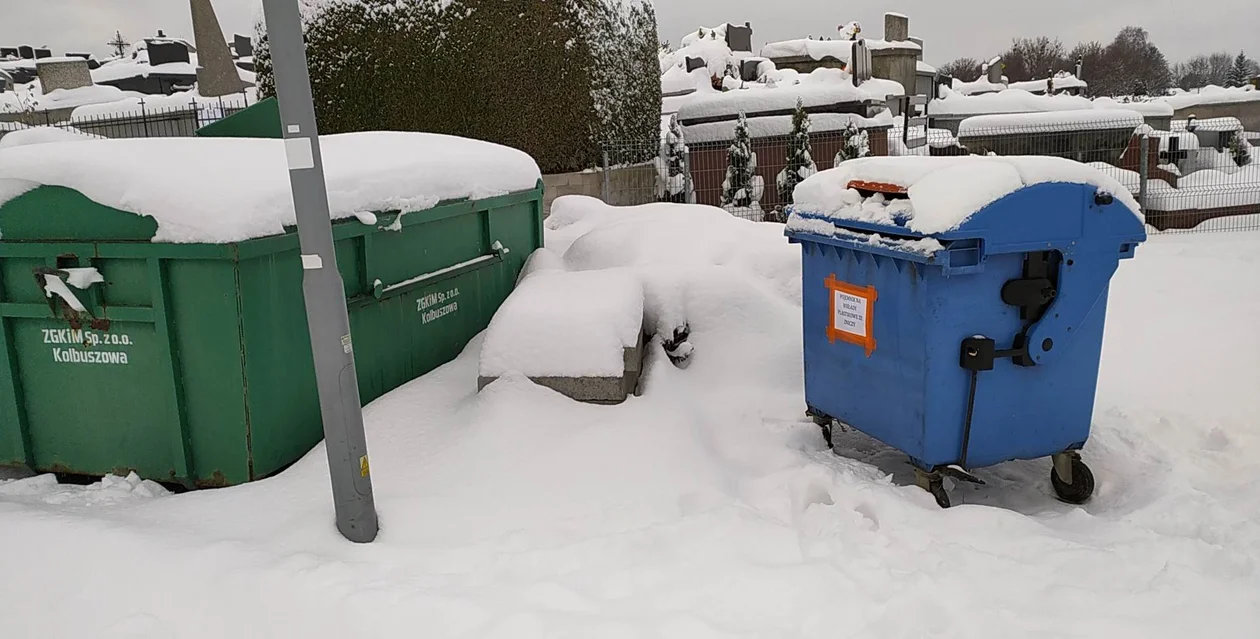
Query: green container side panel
283,401
261,120
195,365
204,302
59,213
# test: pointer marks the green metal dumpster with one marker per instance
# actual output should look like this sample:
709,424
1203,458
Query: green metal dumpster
190,363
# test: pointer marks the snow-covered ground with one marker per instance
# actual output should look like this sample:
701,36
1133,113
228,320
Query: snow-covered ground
708,507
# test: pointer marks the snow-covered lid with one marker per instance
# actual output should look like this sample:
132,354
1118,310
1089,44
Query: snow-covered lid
220,190
943,192
1050,122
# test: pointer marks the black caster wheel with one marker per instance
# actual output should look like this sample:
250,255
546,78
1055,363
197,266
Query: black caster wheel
938,491
825,423
1082,486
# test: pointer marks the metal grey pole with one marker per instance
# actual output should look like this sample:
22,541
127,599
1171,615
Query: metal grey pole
1144,168
606,190
321,282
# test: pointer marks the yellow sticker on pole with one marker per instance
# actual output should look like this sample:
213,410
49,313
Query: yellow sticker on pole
363,466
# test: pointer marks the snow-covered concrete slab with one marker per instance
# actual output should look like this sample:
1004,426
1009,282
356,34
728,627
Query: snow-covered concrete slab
579,333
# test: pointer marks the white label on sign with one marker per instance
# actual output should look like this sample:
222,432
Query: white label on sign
295,129
312,262
850,314
299,153
346,344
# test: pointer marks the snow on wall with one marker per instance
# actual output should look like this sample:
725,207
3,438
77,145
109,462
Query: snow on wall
822,87
981,85
1217,125
937,203
1050,122
233,189
1009,101
780,125
823,49
1062,80
1213,94
1145,107
44,135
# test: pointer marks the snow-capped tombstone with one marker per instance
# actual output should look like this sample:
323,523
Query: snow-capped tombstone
739,38
41,54
26,52
166,52
9,52
695,63
243,45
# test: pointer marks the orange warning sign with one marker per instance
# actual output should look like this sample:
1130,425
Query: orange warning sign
852,314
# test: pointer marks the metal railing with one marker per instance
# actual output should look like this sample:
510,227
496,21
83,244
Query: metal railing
136,121
1186,181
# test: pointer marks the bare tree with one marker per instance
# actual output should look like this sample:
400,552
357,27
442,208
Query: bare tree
1034,58
965,69
1091,57
1202,70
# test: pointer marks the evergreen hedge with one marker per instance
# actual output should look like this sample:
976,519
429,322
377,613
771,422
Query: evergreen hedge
554,78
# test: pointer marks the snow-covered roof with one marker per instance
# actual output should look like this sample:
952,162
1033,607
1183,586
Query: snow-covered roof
944,192
1213,95
822,87
1222,125
1050,122
1009,101
824,49
221,190
923,67
134,103
59,59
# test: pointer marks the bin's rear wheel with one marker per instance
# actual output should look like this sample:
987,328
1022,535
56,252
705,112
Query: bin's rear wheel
1082,486
937,488
825,423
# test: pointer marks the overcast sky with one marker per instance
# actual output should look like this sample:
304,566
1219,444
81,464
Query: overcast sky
950,28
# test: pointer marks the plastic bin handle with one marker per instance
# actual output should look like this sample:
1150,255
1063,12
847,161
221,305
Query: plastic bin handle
1081,288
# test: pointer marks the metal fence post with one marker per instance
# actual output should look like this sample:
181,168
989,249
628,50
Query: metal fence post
1144,169
607,188
689,195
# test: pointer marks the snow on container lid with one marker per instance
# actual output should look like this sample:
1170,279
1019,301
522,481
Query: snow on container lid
943,192
221,190
1050,122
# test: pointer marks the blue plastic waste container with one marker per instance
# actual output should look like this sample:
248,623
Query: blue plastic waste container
979,350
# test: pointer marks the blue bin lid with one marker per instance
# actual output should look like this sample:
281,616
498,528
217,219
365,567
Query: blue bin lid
1010,202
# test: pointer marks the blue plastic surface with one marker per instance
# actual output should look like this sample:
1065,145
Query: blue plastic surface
903,384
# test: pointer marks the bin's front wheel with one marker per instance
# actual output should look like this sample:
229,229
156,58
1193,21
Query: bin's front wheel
934,483
1082,486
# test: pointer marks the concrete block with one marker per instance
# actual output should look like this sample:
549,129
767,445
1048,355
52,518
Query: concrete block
63,74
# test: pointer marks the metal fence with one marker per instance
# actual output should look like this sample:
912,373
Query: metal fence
1201,177
139,121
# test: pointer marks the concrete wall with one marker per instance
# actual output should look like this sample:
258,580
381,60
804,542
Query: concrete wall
627,186
1247,112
